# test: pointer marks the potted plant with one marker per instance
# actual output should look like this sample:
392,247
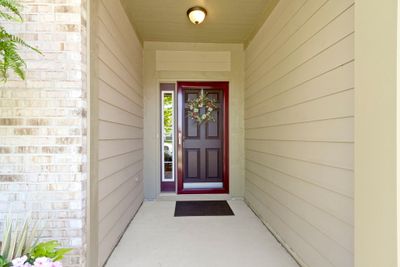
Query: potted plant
20,247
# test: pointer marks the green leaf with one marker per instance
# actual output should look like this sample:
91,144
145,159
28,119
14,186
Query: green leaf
29,242
60,253
49,249
10,254
10,10
5,247
9,44
4,262
18,242
22,239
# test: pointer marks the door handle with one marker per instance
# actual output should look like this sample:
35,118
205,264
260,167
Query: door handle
180,138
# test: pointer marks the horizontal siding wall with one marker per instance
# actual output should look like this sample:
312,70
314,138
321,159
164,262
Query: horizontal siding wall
299,121
120,124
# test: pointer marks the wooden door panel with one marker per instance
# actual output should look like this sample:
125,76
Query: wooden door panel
192,130
193,160
202,152
212,129
213,169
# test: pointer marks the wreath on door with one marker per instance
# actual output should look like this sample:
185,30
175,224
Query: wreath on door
202,108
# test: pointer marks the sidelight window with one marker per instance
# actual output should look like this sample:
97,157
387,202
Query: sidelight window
167,136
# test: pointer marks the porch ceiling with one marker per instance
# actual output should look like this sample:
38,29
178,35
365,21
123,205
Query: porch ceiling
228,21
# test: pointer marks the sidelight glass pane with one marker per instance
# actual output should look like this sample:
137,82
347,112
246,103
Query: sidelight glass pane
168,171
168,145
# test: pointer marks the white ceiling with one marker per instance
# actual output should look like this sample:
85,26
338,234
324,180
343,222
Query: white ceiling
227,21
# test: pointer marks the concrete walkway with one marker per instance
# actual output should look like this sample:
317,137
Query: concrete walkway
156,238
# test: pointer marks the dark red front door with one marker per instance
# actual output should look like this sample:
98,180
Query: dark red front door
203,147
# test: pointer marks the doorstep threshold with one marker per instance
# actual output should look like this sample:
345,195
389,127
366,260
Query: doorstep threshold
174,197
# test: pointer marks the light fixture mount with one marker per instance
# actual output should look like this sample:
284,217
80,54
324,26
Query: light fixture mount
196,14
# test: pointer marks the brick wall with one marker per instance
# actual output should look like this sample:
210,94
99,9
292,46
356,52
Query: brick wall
43,124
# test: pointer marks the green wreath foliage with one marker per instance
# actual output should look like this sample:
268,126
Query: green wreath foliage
199,104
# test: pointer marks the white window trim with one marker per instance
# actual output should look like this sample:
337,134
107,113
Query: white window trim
163,179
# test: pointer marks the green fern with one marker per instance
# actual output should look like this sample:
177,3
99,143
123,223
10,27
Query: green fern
10,10
9,43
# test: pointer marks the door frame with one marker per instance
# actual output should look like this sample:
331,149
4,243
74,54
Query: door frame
168,186
225,168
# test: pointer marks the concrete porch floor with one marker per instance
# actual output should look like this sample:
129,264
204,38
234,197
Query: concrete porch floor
156,238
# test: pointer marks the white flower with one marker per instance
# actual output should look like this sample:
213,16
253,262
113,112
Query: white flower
203,116
19,262
42,262
210,109
196,110
56,264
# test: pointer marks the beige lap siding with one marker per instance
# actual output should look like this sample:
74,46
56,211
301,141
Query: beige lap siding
299,122
120,124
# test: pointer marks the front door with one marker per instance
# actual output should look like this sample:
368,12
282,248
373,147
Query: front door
202,143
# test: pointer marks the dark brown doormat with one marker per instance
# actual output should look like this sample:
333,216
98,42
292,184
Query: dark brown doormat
202,208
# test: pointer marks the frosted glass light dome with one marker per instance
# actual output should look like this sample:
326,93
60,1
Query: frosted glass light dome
196,14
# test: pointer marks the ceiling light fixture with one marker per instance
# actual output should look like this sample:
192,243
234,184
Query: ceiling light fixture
196,14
